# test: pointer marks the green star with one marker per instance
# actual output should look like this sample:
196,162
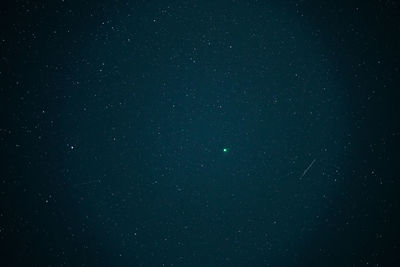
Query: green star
226,150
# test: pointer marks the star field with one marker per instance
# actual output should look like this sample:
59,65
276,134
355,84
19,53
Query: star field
195,133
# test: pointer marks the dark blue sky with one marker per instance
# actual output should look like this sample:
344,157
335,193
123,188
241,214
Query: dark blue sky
115,116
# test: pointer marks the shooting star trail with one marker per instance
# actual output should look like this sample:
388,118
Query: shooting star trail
98,181
306,170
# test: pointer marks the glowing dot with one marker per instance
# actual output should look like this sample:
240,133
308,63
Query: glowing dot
225,149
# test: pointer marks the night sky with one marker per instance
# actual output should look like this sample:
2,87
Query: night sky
200,133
